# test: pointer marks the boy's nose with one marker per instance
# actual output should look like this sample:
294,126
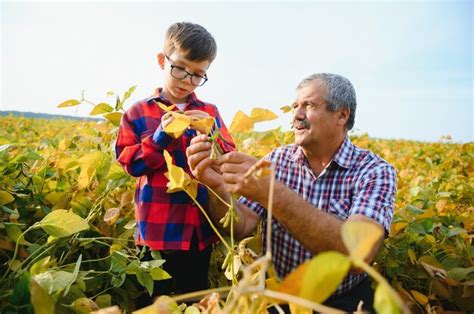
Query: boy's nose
187,79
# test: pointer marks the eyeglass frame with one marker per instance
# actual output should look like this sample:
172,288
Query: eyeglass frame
191,75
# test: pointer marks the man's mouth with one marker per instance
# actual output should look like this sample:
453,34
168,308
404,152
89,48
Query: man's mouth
300,124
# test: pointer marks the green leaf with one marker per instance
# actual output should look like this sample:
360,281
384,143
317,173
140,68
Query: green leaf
69,103
5,198
324,274
14,232
118,262
103,301
415,210
383,301
62,223
74,274
159,274
461,274
42,302
145,279
21,292
54,281
101,108
114,117
455,231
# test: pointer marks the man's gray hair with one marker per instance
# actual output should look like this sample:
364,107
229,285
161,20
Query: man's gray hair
339,93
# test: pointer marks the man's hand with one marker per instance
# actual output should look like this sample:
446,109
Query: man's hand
235,167
202,166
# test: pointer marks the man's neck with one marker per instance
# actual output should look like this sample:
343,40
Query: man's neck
319,157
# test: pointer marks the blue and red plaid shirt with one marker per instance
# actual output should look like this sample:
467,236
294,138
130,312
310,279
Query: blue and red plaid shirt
165,221
355,182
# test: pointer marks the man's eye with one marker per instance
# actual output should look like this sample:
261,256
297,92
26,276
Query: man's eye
310,105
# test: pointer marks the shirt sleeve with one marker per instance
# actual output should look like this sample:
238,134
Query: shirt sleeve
139,156
376,195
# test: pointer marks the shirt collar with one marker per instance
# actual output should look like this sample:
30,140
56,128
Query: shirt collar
343,156
158,97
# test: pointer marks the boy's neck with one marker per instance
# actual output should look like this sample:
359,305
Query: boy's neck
170,97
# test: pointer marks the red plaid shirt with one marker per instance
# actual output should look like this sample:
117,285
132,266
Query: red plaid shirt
356,182
165,221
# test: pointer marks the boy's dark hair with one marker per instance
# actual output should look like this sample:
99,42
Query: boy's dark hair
192,40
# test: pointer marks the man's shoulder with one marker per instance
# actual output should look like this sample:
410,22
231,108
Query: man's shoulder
365,158
283,152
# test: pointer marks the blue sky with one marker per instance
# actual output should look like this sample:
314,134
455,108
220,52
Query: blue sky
411,62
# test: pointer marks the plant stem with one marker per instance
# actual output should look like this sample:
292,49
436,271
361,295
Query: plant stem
209,220
300,301
380,280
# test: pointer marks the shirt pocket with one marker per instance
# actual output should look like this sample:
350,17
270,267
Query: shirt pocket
340,207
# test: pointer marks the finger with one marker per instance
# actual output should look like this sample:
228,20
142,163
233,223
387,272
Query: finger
197,157
202,166
237,157
197,148
199,138
235,168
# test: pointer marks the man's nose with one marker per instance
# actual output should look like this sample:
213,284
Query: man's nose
299,112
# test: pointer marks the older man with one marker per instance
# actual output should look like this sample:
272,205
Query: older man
322,180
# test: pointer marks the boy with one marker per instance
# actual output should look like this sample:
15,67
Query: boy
170,222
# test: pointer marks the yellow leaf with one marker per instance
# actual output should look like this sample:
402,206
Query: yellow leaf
441,204
5,198
205,124
179,124
62,223
383,300
412,256
113,117
101,108
69,103
324,274
111,215
359,237
42,302
241,123
285,109
178,179
292,283
85,176
260,114
165,107
419,297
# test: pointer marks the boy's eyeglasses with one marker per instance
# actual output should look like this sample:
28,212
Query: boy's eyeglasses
180,74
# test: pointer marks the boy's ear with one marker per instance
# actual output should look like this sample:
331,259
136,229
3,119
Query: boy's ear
161,60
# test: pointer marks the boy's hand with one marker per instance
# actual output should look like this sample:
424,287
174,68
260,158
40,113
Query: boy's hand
202,166
166,119
197,114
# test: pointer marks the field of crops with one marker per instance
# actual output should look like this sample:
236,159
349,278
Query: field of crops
66,228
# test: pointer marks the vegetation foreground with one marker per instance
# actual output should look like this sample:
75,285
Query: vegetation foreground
67,224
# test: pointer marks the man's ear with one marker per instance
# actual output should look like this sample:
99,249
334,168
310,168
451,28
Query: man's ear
343,116
161,60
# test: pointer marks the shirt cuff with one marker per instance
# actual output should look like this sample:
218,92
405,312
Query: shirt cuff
161,138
